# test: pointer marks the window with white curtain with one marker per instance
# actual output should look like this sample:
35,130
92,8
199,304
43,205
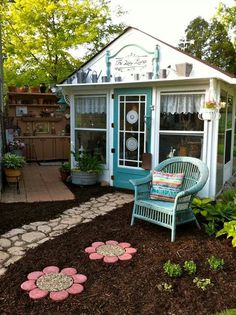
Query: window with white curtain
91,125
181,131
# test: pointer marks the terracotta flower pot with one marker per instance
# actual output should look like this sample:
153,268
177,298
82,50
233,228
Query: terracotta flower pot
12,174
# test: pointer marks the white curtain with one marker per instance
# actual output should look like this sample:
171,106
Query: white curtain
181,103
90,105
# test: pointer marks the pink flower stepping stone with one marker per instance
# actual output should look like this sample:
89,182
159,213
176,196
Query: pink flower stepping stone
28,285
96,244
69,271
75,289
79,278
110,259
37,294
111,243
130,250
50,269
125,257
59,296
124,245
90,250
35,275
95,256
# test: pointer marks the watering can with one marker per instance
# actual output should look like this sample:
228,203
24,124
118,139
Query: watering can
95,76
82,76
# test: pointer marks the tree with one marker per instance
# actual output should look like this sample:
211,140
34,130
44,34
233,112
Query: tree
226,16
39,35
210,42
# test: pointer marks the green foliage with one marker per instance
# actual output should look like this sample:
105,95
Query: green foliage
215,263
165,287
227,312
202,284
228,195
86,162
229,229
65,167
40,37
210,42
14,161
215,214
190,267
172,270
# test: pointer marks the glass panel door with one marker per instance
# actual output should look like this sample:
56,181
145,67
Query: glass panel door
132,110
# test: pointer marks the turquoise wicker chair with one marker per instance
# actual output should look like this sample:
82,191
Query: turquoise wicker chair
170,214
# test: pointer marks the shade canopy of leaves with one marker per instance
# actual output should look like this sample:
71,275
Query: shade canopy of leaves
38,37
211,42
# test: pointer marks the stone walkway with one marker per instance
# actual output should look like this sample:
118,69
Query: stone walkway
15,243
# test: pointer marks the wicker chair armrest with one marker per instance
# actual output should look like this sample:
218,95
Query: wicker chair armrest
141,181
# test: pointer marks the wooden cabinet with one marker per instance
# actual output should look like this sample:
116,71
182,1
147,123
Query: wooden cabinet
46,148
40,123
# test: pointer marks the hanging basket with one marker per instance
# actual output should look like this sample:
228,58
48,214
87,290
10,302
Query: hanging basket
209,114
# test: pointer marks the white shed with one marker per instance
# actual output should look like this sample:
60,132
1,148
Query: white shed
139,101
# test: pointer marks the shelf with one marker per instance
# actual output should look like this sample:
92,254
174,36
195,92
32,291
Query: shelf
32,94
34,119
36,105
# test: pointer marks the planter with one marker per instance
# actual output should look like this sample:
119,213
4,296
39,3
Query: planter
12,174
184,69
83,178
209,114
12,88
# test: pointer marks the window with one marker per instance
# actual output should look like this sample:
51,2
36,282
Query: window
181,131
91,125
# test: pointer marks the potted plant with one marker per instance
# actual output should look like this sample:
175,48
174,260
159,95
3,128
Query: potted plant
12,165
16,147
210,110
64,171
87,169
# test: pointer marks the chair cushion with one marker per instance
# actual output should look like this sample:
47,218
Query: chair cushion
165,186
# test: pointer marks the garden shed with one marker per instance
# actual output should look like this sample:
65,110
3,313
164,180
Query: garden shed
140,100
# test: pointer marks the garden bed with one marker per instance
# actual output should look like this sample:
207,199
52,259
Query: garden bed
125,287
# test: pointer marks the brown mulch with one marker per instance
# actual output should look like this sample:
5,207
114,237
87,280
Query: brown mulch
124,288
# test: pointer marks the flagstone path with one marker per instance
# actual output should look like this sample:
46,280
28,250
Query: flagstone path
15,243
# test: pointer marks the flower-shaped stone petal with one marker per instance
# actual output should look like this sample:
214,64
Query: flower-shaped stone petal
110,251
53,282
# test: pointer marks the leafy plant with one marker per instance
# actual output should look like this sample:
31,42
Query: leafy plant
14,161
172,270
228,195
165,287
215,263
229,229
190,267
65,167
202,284
86,162
214,214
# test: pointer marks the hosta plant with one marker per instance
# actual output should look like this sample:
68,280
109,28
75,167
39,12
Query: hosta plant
229,229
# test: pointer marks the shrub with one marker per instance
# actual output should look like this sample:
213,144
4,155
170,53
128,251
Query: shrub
172,270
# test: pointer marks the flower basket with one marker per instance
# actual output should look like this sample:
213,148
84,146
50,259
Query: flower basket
209,114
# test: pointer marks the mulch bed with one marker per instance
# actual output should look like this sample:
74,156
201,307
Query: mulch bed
126,287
